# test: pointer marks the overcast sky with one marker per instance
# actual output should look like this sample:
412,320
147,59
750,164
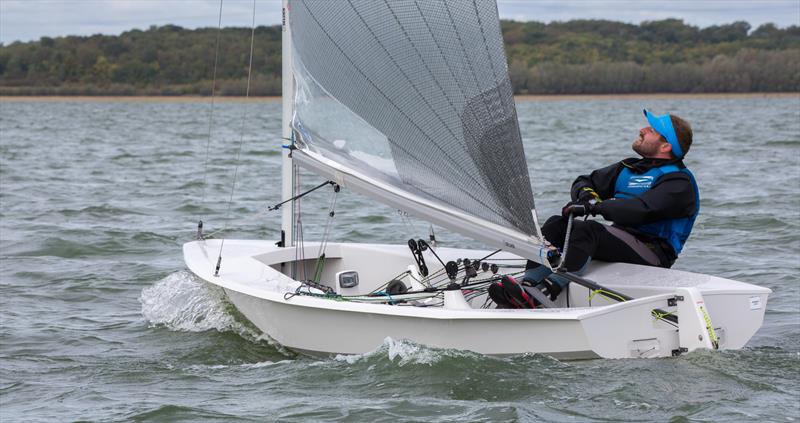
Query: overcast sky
26,20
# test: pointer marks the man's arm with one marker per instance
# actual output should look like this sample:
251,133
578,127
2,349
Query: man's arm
672,197
601,181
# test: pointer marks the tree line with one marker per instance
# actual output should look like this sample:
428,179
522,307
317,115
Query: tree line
575,57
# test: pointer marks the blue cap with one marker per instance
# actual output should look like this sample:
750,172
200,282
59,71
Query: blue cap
663,125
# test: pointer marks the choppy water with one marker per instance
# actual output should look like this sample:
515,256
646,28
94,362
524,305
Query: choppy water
101,322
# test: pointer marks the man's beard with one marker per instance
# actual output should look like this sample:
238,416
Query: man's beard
644,149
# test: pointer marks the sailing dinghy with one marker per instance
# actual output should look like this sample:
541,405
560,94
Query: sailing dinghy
409,102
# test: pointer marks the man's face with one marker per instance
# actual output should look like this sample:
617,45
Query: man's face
649,143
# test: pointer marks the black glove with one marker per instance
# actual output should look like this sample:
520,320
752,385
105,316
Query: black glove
579,209
587,194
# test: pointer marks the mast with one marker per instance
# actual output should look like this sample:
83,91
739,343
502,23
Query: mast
287,170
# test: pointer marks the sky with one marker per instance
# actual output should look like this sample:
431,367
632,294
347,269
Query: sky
26,20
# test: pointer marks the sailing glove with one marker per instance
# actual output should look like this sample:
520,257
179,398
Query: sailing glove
578,209
587,194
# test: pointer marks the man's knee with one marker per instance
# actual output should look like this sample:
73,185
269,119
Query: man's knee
554,229
556,220
585,230
583,235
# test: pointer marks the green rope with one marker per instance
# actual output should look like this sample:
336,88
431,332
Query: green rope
606,294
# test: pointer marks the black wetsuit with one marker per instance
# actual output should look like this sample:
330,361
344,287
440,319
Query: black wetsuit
671,197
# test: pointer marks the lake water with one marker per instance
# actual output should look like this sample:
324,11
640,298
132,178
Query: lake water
100,320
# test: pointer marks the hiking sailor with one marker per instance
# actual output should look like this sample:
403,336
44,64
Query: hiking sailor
652,202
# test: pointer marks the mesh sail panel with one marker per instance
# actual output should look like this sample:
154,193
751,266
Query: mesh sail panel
414,93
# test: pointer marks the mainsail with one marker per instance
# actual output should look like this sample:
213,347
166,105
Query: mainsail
410,102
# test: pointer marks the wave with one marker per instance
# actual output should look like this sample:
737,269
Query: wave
405,352
172,412
66,248
103,211
243,366
180,302
373,219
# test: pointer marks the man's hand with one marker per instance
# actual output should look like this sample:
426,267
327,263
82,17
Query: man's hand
579,209
587,194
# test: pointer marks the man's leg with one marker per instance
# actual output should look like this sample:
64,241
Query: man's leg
589,239
582,240
579,254
593,239
617,245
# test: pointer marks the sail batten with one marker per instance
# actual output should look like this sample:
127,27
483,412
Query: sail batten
413,94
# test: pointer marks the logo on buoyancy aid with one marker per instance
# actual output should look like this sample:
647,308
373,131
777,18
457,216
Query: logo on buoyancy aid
643,181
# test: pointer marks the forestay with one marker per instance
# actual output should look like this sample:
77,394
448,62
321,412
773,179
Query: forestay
410,102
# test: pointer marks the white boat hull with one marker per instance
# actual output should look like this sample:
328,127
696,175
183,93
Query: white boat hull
251,277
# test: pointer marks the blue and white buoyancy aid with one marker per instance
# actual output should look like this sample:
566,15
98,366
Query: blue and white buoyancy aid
632,185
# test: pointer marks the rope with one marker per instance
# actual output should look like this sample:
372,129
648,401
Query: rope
406,220
398,277
325,236
606,294
566,243
710,327
662,316
299,247
211,109
253,217
331,215
241,137
474,289
265,211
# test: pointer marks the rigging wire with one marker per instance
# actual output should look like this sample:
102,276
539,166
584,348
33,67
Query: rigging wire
407,222
326,234
331,215
299,252
241,137
211,112
261,213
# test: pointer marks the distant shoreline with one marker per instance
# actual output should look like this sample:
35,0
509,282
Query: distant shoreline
558,97
271,99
